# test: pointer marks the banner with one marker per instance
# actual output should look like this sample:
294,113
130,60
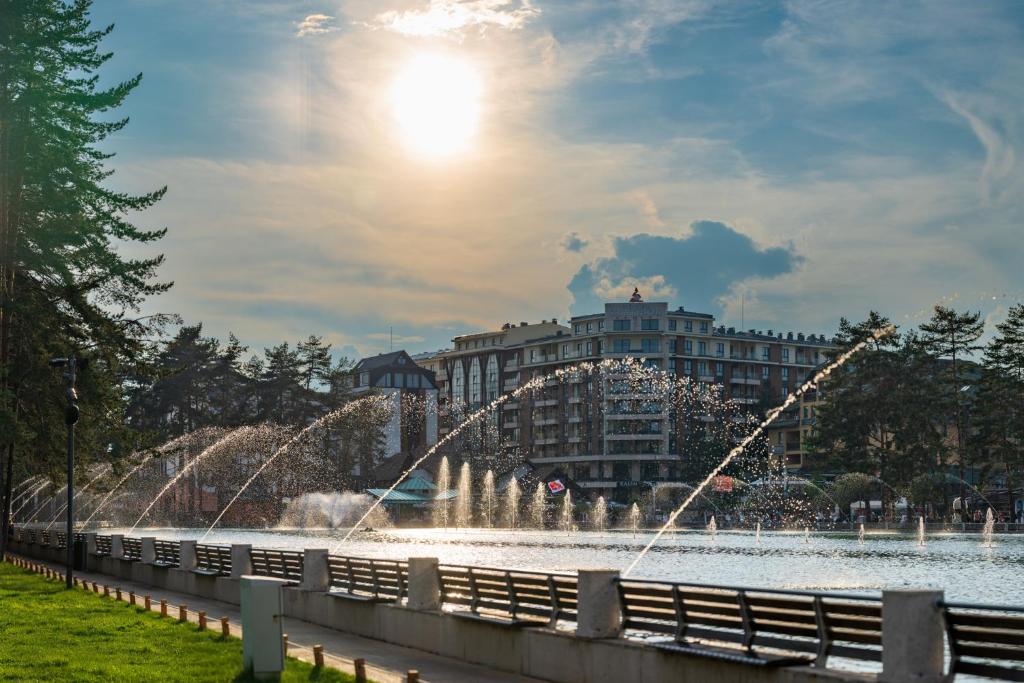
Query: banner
556,486
723,484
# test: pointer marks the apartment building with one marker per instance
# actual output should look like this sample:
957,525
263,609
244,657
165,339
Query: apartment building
614,438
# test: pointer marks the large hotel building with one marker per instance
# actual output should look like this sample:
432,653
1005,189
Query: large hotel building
619,440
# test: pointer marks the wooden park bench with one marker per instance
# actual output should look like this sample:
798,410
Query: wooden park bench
509,598
985,640
212,560
368,580
281,564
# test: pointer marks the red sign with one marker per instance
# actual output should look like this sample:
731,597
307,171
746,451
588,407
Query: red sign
556,486
723,484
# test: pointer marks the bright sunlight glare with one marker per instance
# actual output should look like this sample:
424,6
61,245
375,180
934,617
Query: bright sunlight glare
436,103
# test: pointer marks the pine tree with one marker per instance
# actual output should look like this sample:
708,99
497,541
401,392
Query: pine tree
64,286
954,335
314,361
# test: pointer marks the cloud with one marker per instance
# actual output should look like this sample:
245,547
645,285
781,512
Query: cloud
1000,159
443,17
574,242
316,24
700,267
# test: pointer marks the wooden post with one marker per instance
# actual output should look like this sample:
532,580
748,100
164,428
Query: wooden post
148,603
202,620
360,665
318,656
225,628
163,607
284,637
106,591
131,598
95,588
413,676
117,594
182,612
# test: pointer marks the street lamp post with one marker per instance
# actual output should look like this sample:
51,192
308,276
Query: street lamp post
71,415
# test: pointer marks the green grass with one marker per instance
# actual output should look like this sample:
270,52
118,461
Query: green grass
48,633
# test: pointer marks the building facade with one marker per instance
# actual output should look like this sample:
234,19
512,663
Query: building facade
613,437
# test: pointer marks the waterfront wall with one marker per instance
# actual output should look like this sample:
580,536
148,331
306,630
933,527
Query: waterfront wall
593,652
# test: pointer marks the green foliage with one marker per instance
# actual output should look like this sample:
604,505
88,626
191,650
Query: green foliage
102,640
852,487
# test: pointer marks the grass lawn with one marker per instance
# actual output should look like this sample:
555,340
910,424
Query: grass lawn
48,633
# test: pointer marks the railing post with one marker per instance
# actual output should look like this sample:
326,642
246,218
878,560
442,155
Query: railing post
241,560
90,543
187,555
117,546
316,573
599,615
912,636
148,553
424,584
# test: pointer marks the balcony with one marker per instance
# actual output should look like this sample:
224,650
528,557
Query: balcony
545,402
546,421
710,379
745,380
745,400
634,437
544,441
510,405
510,384
510,424
511,365
575,419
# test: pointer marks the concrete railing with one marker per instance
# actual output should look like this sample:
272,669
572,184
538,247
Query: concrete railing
594,625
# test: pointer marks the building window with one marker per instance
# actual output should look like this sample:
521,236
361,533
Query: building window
649,324
620,346
672,345
458,383
785,355
785,374
764,372
688,326
687,346
687,367
672,365
671,325
720,350
702,368
719,369
590,327
765,352
650,345
704,327
590,347
399,380
565,350
702,348
620,325
600,326
492,378
576,328
364,379
533,355
474,382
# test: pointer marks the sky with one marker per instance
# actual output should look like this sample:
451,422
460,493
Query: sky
375,170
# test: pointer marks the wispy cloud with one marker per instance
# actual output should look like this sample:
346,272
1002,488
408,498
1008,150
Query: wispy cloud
1000,158
574,242
442,17
316,24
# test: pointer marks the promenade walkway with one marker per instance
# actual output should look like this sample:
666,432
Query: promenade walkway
385,663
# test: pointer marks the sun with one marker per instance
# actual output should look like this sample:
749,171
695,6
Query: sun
435,100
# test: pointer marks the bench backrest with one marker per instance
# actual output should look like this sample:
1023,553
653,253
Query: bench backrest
985,640
102,545
812,623
509,592
168,552
214,558
132,548
282,564
369,577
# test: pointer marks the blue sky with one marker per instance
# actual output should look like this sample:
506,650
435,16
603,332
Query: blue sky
812,159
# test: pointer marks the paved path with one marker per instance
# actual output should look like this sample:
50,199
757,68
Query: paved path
385,663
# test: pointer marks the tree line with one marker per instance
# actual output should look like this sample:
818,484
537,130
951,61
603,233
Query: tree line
931,412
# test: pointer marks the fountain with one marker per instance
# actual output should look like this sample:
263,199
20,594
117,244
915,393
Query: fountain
229,438
488,502
512,496
319,423
807,534
600,522
28,499
989,528
860,534
49,501
566,522
757,533
537,506
105,468
444,482
712,528
464,502
742,446
920,531
634,518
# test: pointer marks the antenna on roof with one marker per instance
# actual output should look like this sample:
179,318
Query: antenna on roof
742,311
391,338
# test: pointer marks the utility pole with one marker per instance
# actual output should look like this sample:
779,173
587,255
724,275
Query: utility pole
71,415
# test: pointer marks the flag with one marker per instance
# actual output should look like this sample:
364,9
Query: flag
556,486
723,484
